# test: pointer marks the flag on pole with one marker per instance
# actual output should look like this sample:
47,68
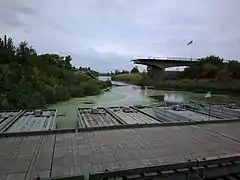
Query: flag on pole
190,42
208,95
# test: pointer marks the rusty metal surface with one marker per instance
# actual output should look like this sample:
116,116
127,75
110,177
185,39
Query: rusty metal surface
113,150
99,118
29,122
132,116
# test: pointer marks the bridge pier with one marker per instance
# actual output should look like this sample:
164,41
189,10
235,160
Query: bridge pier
157,74
157,65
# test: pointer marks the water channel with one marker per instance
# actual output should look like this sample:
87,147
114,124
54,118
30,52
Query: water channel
122,94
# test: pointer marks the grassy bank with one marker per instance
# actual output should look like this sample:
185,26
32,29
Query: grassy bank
202,85
194,85
140,79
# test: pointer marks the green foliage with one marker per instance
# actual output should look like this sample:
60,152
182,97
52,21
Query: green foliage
201,85
29,80
106,84
117,72
233,68
134,70
91,87
209,73
210,67
133,78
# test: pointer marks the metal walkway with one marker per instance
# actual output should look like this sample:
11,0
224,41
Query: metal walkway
163,152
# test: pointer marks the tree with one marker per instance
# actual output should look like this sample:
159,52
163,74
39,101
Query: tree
7,50
206,67
24,51
233,68
68,60
134,70
209,70
117,71
214,60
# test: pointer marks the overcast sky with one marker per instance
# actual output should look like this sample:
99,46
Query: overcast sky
106,34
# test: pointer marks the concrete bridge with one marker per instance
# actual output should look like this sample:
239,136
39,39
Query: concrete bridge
158,65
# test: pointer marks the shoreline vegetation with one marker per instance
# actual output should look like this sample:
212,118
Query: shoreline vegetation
208,74
30,80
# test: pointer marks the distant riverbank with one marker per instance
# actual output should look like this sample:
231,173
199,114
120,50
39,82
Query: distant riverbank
194,85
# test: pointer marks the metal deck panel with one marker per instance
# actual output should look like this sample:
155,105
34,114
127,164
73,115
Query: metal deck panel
231,130
121,149
28,122
134,148
89,119
133,117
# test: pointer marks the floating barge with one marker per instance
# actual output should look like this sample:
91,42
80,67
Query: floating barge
217,112
113,116
98,117
33,120
131,115
149,110
235,112
169,115
7,118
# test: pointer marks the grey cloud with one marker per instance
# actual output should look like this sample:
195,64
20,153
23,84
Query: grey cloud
25,10
106,34
102,62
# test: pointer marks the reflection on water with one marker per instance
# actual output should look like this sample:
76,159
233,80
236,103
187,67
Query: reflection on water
174,97
159,98
104,78
123,96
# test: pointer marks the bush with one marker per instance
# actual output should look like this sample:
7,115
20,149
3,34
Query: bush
134,70
91,87
105,84
61,93
76,91
48,94
37,101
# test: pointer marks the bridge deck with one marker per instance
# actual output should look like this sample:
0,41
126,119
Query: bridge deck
166,59
94,152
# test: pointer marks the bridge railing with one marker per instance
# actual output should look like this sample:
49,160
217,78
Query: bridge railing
182,59
174,58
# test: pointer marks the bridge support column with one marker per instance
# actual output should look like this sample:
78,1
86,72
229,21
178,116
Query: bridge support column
157,74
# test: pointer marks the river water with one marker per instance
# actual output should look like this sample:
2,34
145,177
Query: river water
122,94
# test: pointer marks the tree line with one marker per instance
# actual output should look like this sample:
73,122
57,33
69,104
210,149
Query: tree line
211,67
31,80
117,71
211,72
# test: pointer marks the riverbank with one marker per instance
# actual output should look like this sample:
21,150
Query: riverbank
193,85
30,81
140,79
